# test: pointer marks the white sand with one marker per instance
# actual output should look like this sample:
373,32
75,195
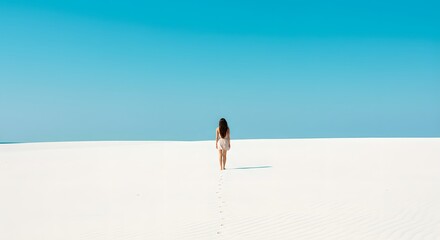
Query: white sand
272,189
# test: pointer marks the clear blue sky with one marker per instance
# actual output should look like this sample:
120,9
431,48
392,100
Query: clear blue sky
168,70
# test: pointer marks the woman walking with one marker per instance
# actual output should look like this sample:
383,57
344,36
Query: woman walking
222,141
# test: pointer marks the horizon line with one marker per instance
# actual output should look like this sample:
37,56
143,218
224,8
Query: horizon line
206,140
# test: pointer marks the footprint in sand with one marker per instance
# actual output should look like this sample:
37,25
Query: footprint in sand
220,205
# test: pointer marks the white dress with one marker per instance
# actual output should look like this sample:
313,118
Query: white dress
223,143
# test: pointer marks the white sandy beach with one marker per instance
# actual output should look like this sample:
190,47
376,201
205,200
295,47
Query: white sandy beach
373,188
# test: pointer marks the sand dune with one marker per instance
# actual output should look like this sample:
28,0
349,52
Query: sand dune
272,189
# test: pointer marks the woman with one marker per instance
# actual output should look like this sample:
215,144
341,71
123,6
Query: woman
222,141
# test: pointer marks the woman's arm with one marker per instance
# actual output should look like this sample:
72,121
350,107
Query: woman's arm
229,136
216,138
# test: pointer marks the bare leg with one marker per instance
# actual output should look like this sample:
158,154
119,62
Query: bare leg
220,159
224,159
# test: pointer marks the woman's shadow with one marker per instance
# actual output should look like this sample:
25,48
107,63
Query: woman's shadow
250,167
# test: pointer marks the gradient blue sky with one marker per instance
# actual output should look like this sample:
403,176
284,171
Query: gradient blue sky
168,70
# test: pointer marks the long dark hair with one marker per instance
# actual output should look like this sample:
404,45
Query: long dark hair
223,126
